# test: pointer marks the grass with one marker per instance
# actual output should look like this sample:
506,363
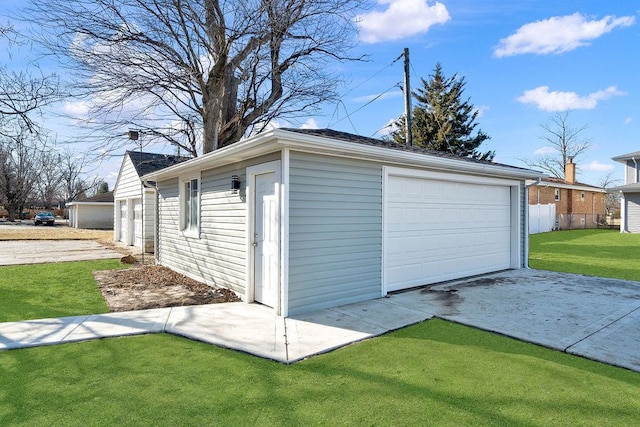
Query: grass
603,253
42,291
433,373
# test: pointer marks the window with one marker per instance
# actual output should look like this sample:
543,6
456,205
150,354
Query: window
582,196
190,206
557,195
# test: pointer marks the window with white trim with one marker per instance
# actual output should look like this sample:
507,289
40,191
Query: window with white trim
190,206
557,195
582,196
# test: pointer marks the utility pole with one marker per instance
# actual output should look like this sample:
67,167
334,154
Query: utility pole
407,99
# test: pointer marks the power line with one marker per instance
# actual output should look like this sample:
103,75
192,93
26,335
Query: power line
348,116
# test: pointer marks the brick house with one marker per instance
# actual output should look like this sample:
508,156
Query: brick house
578,205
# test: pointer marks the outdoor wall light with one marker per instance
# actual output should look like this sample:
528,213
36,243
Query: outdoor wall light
133,135
235,184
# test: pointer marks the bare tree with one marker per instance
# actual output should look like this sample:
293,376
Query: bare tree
73,169
19,154
611,200
565,140
23,93
48,185
197,72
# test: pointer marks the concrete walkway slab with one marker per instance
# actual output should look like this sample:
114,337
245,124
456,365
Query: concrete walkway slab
17,252
587,316
618,343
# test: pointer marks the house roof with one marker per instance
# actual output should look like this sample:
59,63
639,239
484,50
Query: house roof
330,142
106,198
629,188
150,162
365,140
561,183
624,157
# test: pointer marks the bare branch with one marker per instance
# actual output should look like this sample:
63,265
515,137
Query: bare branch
200,73
565,140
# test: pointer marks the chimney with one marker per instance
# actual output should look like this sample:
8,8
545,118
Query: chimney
570,172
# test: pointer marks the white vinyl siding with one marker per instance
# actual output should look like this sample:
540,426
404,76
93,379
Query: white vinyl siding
632,201
335,231
219,256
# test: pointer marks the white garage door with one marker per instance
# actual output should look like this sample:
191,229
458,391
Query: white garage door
123,222
137,222
437,230
633,213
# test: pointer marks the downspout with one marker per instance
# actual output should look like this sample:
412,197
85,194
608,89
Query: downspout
526,220
624,224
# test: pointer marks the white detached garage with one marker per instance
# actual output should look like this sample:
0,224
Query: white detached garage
300,220
134,203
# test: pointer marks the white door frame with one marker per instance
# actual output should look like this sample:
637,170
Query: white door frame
251,174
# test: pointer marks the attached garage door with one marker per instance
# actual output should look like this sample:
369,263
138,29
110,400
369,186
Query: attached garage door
633,212
123,222
437,230
137,222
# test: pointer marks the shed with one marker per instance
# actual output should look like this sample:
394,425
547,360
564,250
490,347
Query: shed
301,220
133,211
93,212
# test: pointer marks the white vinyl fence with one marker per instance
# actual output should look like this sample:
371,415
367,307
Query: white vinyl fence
542,218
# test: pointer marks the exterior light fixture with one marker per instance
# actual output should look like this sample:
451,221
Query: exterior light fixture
133,135
235,184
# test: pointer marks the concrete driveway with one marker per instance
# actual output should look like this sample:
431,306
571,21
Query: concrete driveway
588,316
15,252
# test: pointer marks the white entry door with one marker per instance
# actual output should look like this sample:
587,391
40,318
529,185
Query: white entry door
266,239
137,223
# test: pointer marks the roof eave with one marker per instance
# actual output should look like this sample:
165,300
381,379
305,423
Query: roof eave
276,139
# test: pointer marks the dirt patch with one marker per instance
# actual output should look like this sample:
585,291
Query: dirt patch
152,286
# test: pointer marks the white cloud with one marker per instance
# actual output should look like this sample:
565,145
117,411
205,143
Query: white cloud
553,101
310,124
400,19
76,109
379,96
558,34
596,166
481,109
388,129
545,150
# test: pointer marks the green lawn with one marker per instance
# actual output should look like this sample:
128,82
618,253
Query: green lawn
433,373
42,291
604,253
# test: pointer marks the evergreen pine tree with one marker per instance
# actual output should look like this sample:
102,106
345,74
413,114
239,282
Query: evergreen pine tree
442,121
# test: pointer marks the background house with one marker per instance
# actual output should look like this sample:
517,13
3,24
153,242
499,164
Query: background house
134,205
300,220
93,212
577,205
630,193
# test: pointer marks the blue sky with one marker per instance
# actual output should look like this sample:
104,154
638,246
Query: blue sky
522,60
